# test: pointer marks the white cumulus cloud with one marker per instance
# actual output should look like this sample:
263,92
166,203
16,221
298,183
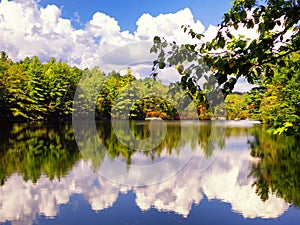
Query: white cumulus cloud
29,29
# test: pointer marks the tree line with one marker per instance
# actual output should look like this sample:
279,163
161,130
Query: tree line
31,90
34,91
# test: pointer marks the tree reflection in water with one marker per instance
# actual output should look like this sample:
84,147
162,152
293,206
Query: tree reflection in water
35,149
277,170
53,169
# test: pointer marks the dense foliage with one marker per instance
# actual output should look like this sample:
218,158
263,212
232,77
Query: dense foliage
231,55
275,102
32,90
280,98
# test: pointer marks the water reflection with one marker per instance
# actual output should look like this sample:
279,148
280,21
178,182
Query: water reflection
36,149
277,170
42,169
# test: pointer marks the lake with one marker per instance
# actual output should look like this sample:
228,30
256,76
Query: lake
148,172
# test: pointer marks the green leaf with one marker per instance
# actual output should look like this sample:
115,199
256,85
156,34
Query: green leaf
199,36
243,15
161,65
199,72
179,68
153,49
157,39
221,42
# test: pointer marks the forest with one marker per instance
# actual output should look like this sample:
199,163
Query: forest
31,90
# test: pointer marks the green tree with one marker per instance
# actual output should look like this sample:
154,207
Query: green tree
31,90
5,63
228,57
276,102
253,101
236,106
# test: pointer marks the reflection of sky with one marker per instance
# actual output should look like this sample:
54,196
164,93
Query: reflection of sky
226,180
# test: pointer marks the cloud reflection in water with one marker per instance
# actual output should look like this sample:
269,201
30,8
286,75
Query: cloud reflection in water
226,180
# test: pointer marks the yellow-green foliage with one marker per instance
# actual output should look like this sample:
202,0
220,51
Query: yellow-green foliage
236,106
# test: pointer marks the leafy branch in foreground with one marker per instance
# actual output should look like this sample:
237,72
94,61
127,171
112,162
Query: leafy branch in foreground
229,56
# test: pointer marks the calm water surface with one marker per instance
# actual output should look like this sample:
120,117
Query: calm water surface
196,173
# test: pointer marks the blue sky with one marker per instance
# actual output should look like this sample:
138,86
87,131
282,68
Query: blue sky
127,12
